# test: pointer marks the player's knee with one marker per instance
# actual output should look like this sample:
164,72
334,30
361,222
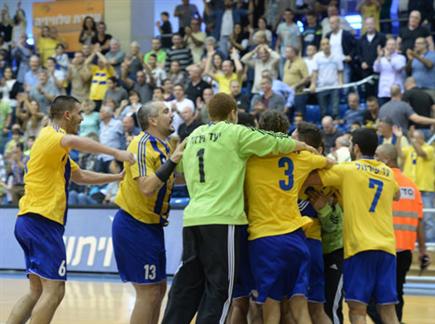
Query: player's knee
388,313
151,294
357,309
241,305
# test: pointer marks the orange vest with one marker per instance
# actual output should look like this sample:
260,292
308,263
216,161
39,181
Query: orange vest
406,212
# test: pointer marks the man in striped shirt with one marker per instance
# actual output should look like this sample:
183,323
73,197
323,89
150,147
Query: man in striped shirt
178,52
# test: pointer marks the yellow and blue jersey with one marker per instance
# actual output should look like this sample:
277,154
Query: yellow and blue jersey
367,188
151,153
272,186
47,177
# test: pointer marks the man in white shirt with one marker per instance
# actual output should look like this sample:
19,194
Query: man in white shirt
178,104
327,72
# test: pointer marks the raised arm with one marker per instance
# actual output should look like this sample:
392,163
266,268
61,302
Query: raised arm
86,177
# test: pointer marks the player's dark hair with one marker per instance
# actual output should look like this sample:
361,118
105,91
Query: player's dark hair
372,99
274,121
243,118
165,13
61,104
220,106
310,134
366,139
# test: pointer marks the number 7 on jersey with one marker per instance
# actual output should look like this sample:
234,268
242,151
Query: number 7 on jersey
379,185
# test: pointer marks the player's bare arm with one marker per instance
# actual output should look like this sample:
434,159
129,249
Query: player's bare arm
89,146
86,177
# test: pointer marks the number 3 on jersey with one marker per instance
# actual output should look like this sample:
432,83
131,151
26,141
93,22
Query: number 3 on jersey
379,185
286,163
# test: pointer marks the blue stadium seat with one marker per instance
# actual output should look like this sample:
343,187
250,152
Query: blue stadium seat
313,114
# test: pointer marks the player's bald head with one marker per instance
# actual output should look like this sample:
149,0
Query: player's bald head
387,153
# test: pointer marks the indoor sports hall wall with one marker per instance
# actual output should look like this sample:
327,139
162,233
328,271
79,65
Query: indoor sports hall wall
88,240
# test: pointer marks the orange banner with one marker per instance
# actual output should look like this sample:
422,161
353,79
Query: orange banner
67,16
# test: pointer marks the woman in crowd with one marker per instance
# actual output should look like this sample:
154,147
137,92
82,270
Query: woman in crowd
89,31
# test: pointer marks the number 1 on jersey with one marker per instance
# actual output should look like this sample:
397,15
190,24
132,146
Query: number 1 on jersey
200,155
379,185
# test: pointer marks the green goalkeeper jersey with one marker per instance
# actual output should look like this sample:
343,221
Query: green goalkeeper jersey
214,163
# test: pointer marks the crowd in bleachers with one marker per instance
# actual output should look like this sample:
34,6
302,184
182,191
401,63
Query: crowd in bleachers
299,57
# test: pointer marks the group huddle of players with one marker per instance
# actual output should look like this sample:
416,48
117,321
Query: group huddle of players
269,220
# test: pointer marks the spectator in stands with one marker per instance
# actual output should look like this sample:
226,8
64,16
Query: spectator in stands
87,50
262,28
388,133
341,153
261,58
422,103
9,87
168,90
31,78
111,134
227,74
194,39
402,113
201,104
178,52
16,173
102,38
280,88
156,49
309,59
185,13
17,137
130,129
80,77
239,39
46,45
165,29
36,120
369,9
115,91
390,65
288,34
190,122
367,52
19,23
312,34
268,98
135,60
101,72
421,65
178,104
211,47
333,11
224,22
241,99
5,121
61,57
196,85
354,113
426,9
176,74
327,72
158,94
129,107
330,133
296,76
89,31
412,31
343,45
115,56
91,119
56,74
372,112
44,92
157,72
21,53
143,85
418,165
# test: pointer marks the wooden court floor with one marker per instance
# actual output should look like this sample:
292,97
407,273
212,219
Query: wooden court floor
110,302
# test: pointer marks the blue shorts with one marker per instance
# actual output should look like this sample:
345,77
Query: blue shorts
370,275
42,242
280,266
139,250
316,290
244,282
